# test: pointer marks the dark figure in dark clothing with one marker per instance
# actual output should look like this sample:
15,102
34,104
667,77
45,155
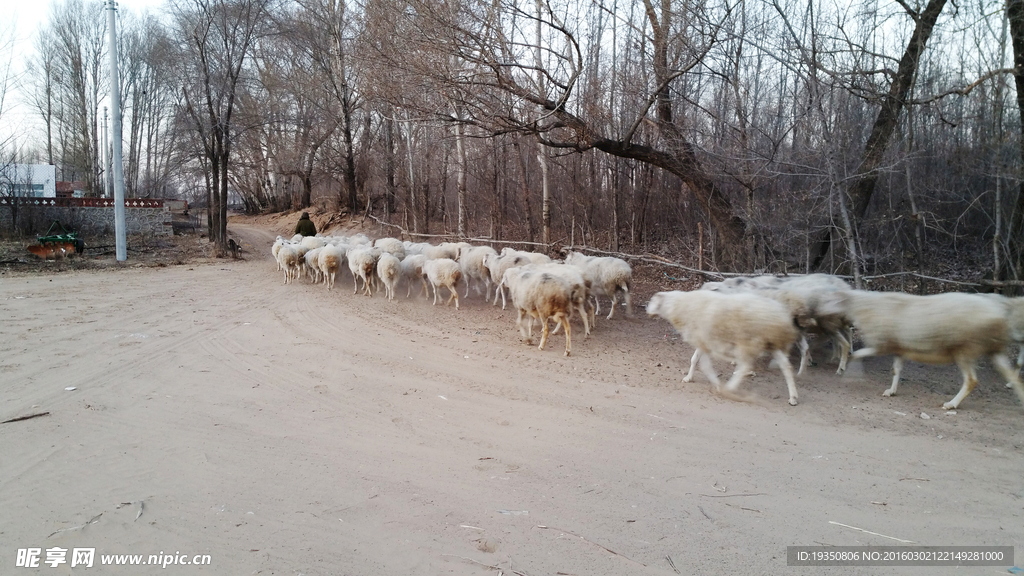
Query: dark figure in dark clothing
305,226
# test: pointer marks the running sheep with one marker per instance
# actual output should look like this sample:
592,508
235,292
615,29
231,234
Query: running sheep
448,250
533,257
330,260
275,248
312,268
471,262
412,272
389,270
579,290
362,262
950,328
288,259
497,265
540,295
607,275
802,295
732,327
443,272
392,246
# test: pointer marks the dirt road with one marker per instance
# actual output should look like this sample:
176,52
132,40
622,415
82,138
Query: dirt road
285,429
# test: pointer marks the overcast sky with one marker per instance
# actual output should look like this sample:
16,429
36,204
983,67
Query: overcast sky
27,16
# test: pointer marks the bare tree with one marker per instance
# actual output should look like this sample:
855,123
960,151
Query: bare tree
217,38
68,78
892,105
498,45
1013,265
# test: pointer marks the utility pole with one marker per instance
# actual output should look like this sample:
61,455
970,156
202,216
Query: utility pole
106,157
115,109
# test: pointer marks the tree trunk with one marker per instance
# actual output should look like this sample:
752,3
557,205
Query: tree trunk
1011,268
525,184
885,124
460,147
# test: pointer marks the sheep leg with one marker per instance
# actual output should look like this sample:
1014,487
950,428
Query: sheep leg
1016,368
629,301
787,373
970,381
1011,373
455,295
708,369
496,290
435,287
568,334
844,345
597,304
586,321
864,353
544,331
693,366
805,354
897,367
522,330
615,300
743,366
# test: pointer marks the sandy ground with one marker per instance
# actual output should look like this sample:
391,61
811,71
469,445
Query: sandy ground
285,429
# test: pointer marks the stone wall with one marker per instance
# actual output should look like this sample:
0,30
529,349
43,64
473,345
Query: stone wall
87,216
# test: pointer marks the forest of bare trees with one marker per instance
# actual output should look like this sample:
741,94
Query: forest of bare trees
778,135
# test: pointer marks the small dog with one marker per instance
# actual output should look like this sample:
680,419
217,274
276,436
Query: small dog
233,247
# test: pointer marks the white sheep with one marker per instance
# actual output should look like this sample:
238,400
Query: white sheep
937,329
448,250
1015,321
311,242
796,303
802,295
580,290
389,270
362,262
288,259
413,248
753,282
312,267
540,295
330,260
471,262
607,277
733,327
533,257
275,248
392,246
497,265
359,239
412,271
443,272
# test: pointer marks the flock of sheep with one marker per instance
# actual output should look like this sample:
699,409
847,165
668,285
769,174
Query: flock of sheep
737,320
540,288
742,318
